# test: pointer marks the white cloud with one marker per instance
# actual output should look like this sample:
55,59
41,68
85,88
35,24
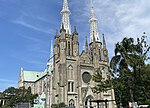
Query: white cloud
23,23
119,18
36,23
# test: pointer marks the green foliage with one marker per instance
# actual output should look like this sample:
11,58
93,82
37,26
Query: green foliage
130,73
102,84
15,95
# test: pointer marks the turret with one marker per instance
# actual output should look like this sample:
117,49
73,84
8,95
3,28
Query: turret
86,46
56,46
105,51
62,32
62,43
75,35
75,43
62,46
56,37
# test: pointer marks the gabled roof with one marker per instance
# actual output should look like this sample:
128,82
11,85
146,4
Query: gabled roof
31,75
85,57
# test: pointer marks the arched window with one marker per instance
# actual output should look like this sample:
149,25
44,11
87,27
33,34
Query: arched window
68,48
58,50
70,72
70,86
92,55
88,104
99,54
70,79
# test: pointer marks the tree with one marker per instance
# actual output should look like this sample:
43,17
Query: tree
144,94
9,92
15,95
126,65
102,84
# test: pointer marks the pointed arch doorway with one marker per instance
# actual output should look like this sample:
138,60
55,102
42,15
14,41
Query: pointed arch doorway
72,103
88,104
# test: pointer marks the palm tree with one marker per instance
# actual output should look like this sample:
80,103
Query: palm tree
121,59
126,65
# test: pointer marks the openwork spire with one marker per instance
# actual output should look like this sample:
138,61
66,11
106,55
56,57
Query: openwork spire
65,5
93,24
92,14
65,17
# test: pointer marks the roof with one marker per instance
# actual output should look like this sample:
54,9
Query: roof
31,75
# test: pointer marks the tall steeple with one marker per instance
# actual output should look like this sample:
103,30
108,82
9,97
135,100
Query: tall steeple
50,61
65,17
93,25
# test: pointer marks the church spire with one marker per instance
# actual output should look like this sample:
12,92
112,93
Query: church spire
93,25
65,17
50,61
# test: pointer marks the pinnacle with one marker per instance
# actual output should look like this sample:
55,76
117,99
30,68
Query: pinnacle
93,37
86,41
56,31
62,26
75,30
104,42
86,44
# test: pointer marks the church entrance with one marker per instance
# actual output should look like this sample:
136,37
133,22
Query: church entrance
71,103
88,104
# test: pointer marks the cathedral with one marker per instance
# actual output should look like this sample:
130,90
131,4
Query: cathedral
67,78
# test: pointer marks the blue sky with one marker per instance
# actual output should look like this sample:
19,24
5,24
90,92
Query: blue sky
28,26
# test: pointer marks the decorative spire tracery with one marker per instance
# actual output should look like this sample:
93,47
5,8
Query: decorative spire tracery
93,24
65,17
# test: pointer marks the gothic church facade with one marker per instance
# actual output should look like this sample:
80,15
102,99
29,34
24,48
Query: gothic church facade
70,81
72,70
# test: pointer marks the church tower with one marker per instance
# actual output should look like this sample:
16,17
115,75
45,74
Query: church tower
66,52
